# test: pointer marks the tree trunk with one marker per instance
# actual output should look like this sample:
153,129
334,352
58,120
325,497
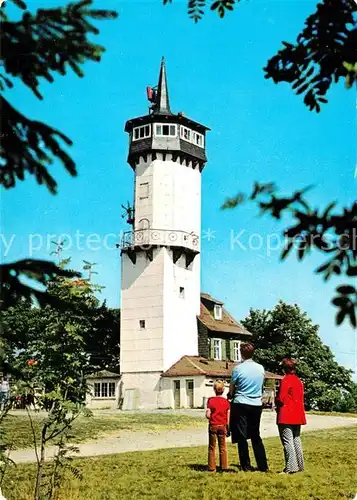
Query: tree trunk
41,463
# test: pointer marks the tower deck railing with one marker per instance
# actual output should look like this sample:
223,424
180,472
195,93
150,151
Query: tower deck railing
148,237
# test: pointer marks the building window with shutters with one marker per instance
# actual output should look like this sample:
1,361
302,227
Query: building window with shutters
217,349
236,351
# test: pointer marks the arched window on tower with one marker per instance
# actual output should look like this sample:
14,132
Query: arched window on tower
144,224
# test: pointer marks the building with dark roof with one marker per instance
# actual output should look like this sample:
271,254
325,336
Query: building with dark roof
189,381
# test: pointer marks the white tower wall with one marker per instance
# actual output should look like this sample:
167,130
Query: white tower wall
180,313
173,190
163,293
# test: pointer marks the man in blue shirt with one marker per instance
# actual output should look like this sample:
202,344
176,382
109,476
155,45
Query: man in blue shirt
246,409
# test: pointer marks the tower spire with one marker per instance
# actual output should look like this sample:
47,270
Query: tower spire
162,106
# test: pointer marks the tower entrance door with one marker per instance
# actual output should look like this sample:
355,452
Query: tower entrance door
189,393
177,396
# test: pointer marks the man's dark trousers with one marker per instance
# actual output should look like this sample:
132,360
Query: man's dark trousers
245,424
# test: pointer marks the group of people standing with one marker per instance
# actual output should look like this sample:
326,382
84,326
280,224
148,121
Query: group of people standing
240,413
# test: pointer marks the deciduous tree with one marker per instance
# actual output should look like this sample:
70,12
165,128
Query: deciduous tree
286,331
51,352
324,51
328,231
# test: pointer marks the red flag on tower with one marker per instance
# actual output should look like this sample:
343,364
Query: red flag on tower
151,94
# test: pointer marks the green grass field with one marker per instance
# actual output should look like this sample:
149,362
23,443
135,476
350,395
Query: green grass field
17,428
331,474
332,414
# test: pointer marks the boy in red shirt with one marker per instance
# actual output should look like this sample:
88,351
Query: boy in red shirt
217,413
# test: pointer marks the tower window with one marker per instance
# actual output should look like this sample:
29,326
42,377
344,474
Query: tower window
191,136
217,311
166,130
198,139
186,134
182,292
143,190
142,324
141,132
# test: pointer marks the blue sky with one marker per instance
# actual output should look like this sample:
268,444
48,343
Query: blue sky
260,131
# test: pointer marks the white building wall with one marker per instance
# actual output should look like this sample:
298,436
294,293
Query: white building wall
167,391
203,390
147,386
94,403
207,390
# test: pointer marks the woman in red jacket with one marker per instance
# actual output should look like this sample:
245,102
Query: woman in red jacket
291,416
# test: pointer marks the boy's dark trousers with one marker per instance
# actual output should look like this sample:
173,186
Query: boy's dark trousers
217,432
245,424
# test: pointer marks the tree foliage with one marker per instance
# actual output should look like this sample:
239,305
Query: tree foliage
324,51
286,331
327,231
50,352
39,271
349,401
35,48
25,328
321,55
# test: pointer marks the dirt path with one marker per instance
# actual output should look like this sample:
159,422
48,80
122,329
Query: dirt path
122,442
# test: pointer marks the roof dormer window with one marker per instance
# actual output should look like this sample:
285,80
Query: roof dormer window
217,311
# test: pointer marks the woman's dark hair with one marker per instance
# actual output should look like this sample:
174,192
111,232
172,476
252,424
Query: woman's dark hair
288,365
247,350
